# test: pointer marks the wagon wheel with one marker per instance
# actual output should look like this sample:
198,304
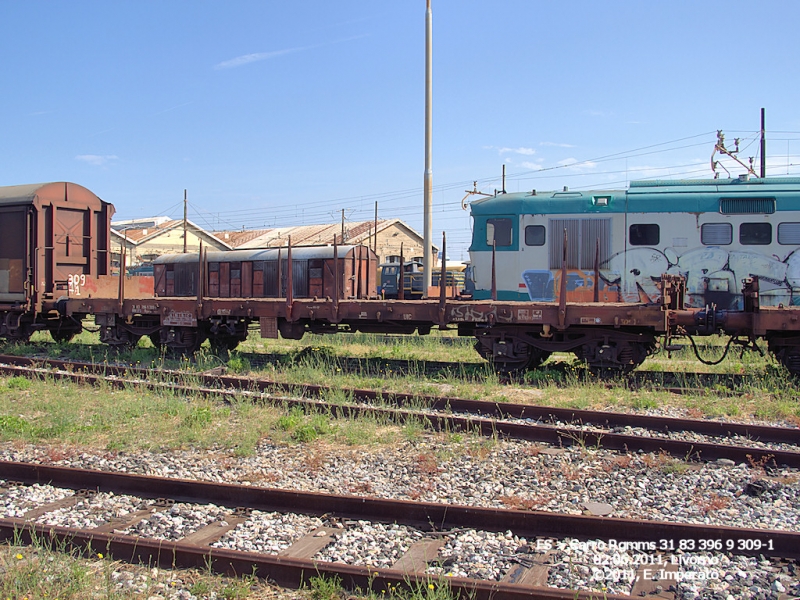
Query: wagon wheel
18,329
63,333
118,338
183,340
20,335
523,358
62,336
127,342
791,360
155,338
787,351
615,357
223,344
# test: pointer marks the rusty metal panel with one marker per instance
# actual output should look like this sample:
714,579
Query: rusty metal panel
247,279
236,279
224,280
160,280
269,327
213,279
185,279
271,279
258,280
107,286
316,272
299,277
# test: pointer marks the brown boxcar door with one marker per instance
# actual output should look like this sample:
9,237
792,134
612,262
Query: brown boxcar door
72,244
247,279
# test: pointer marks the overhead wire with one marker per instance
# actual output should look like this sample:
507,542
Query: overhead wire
396,200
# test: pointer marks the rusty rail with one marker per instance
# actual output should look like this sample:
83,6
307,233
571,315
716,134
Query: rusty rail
555,434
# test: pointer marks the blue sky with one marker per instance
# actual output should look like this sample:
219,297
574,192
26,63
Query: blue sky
282,113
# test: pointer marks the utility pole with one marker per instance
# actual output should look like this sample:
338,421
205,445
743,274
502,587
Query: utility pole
763,147
185,209
375,243
427,262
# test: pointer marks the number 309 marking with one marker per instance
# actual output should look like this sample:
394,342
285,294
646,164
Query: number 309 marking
76,282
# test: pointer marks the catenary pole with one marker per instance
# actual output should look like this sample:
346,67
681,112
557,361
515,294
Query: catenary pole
427,262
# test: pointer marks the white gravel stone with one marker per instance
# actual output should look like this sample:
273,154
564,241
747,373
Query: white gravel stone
504,474
268,532
178,521
370,544
20,499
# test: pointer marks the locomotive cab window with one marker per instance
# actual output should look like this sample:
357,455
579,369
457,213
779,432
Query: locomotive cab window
755,234
716,234
644,234
535,235
498,231
789,233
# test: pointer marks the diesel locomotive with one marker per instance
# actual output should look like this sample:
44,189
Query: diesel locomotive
714,233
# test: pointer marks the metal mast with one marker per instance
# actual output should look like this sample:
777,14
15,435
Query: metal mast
763,147
185,209
427,262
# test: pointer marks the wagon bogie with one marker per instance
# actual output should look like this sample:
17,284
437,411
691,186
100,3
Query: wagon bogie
785,347
226,333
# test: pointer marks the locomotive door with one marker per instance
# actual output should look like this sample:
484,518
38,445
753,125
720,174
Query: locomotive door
12,253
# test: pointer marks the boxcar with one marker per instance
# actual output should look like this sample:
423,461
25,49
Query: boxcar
53,238
264,273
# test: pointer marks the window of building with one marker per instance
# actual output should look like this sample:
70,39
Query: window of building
716,234
789,233
498,231
534,235
755,234
644,234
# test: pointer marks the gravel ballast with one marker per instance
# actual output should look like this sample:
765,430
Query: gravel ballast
504,474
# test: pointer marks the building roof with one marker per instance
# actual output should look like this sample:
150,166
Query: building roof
308,235
142,235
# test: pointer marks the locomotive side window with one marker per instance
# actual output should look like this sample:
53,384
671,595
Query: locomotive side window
755,234
644,234
716,234
789,233
499,232
534,235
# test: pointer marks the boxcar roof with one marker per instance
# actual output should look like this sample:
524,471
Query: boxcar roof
47,193
658,196
301,253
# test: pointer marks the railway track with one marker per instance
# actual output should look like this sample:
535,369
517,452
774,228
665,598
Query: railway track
698,383
713,440
651,547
